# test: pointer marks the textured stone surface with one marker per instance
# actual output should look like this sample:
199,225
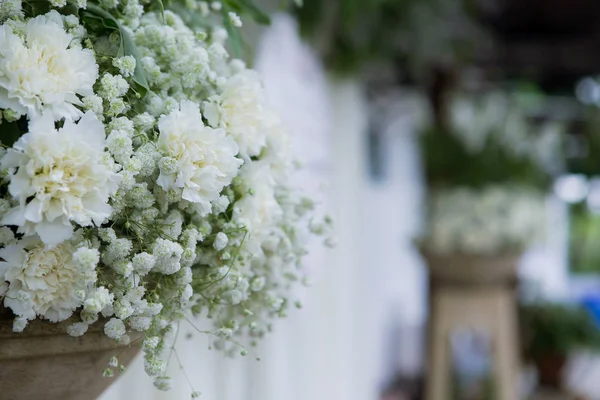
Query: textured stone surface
44,363
471,269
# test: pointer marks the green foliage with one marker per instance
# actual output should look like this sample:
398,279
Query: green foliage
127,46
552,328
584,236
161,7
247,7
243,8
588,163
449,163
233,33
351,33
9,133
32,8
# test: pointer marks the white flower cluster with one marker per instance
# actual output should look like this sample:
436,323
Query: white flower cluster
485,221
503,118
140,187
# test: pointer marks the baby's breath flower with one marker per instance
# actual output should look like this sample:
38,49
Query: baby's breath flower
112,87
140,323
93,103
122,309
108,373
10,9
143,263
151,343
235,20
126,65
77,329
167,255
153,365
220,241
19,324
163,383
114,328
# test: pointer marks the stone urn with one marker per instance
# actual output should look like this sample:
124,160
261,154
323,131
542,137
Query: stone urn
44,363
471,270
474,293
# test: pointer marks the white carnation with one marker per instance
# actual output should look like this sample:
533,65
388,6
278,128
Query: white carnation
61,176
241,108
42,72
206,157
43,281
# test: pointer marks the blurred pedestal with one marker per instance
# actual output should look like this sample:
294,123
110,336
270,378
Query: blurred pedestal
478,297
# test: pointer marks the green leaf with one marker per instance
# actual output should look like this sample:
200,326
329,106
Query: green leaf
9,133
161,7
255,12
233,33
127,46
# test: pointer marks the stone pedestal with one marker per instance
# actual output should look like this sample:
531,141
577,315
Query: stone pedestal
474,293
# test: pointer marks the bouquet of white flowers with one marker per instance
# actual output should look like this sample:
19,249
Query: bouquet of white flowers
489,221
143,176
488,174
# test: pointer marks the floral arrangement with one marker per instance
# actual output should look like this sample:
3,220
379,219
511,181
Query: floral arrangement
487,221
488,174
143,176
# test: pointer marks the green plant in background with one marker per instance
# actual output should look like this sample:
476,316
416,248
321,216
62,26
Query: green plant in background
585,159
350,33
449,163
584,230
490,140
557,329
584,254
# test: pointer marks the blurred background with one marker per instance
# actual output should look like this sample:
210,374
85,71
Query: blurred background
457,145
